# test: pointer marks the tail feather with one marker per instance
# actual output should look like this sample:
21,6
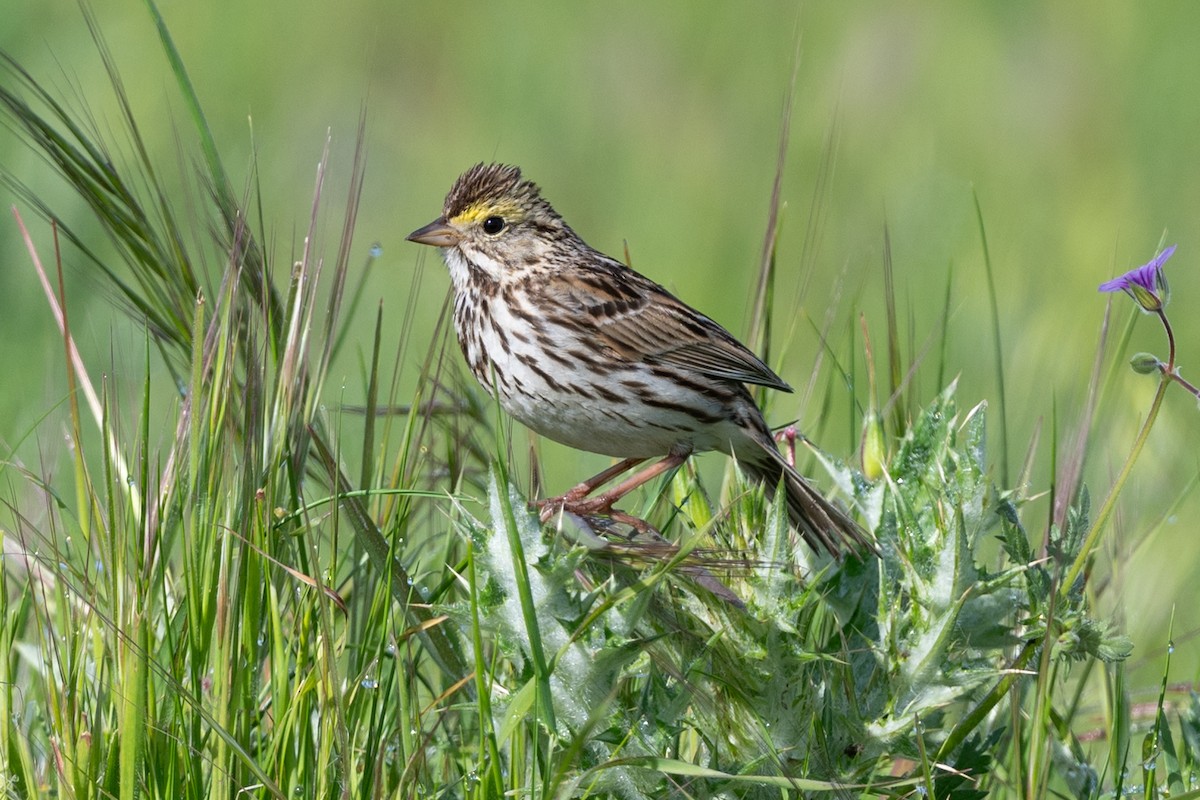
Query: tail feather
822,524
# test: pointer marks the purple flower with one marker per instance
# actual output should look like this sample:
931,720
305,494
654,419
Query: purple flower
1146,284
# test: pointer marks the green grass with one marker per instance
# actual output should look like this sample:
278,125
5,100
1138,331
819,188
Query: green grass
241,585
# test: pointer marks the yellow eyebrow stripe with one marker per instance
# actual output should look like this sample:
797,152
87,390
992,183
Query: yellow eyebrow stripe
478,211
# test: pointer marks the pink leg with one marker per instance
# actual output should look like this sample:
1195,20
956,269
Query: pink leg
602,503
587,487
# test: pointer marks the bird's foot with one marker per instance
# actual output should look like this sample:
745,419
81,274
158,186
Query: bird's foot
574,502
597,506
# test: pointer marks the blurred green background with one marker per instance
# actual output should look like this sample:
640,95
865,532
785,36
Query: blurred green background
658,125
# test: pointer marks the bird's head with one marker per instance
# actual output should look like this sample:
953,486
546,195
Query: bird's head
495,221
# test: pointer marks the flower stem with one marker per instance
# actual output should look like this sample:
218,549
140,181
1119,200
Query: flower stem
1186,385
1170,370
1106,510
1162,317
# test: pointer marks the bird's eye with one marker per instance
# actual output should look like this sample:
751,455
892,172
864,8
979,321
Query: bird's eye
493,225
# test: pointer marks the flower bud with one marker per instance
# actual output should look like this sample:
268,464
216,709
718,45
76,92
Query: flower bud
1145,298
1145,364
873,452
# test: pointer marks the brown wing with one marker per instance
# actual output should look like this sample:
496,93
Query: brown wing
641,321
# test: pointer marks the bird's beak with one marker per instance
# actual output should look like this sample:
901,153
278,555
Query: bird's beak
437,233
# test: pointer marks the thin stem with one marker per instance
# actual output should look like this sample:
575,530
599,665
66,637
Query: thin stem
1109,503
1185,384
1162,316
1168,374
1169,369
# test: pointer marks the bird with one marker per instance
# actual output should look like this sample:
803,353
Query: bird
583,350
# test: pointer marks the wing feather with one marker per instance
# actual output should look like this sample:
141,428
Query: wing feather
638,320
